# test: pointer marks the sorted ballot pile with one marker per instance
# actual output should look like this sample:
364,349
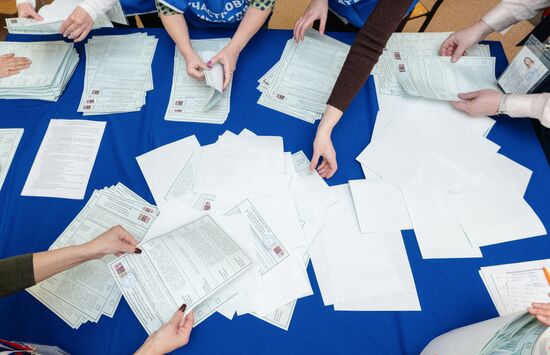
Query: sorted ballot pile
53,64
53,16
411,66
193,100
118,73
300,83
86,292
431,168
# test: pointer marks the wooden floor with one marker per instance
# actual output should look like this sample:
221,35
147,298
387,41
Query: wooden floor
452,15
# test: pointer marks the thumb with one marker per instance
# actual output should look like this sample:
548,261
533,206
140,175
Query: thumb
7,55
314,160
468,95
322,24
460,105
178,316
459,50
215,59
36,16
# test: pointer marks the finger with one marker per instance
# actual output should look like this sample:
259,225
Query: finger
543,319
76,33
469,95
458,52
128,238
65,25
215,59
187,322
331,173
296,26
314,160
323,170
70,29
35,15
83,34
542,306
460,105
322,24
227,74
177,317
13,72
7,55
305,25
19,60
21,66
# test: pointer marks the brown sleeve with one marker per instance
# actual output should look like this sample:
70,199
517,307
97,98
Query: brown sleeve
366,49
16,273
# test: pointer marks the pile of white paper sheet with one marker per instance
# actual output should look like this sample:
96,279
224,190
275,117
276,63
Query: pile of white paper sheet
88,291
430,168
513,287
118,73
53,64
55,14
193,100
301,82
9,141
411,66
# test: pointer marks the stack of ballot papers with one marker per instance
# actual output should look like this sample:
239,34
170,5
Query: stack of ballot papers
514,287
118,73
54,15
86,292
300,83
9,141
411,66
193,100
430,168
53,64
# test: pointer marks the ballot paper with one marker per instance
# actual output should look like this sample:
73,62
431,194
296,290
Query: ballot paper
517,333
53,64
407,46
513,287
193,100
53,15
65,159
301,82
88,291
379,206
439,79
491,216
118,73
184,266
361,271
9,141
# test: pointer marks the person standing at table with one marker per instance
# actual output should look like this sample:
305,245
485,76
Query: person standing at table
23,271
344,15
248,16
81,20
364,53
492,102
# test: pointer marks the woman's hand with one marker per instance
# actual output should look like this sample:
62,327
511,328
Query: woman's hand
459,42
195,65
323,148
317,10
12,65
77,25
541,311
26,10
171,336
115,241
228,57
479,103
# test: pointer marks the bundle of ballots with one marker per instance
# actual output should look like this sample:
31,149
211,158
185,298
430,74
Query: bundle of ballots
118,73
193,100
88,291
53,15
405,66
53,64
300,83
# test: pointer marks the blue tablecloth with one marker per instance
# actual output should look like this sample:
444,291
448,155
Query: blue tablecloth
451,292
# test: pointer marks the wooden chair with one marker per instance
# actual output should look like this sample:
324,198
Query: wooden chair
421,11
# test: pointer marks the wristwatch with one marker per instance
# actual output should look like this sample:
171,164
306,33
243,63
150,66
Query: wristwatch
502,105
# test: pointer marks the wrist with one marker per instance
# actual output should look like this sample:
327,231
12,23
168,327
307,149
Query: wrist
502,104
482,30
235,45
148,348
85,252
186,50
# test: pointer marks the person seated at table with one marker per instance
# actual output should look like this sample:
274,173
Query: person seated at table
344,15
12,65
492,102
80,22
364,53
23,271
248,16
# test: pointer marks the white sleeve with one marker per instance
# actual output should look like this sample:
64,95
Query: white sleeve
509,12
97,7
532,105
32,2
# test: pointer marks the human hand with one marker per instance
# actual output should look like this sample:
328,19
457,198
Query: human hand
322,147
26,10
12,65
541,311
195,65
77,25
115,241
458,43
228,57
317,10
171,336
479,103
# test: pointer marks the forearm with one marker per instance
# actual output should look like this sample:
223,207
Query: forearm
253,20
330,118
176,26
51,262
